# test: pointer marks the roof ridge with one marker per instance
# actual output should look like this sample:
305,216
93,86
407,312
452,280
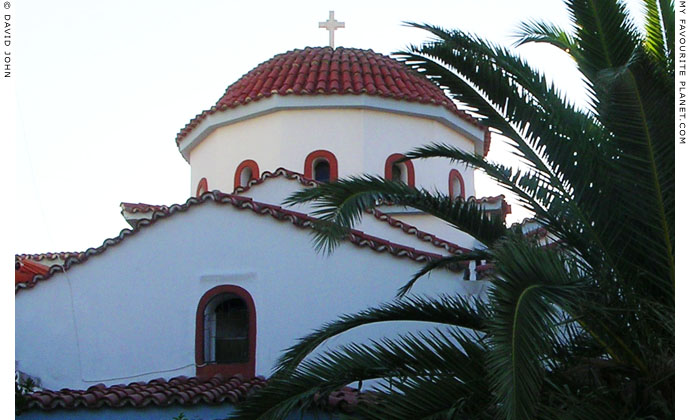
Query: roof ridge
298,219
370,74
379,215
46,255
182,390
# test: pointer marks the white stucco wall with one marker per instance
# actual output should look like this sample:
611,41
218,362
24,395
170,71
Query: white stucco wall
361,140
272,189
128,314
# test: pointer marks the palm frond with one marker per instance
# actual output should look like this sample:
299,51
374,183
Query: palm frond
340,205
412,356
453,261
655,32
538,31
458,311
531,284
605,35
581,330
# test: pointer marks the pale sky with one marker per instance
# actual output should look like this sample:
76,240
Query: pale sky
102,88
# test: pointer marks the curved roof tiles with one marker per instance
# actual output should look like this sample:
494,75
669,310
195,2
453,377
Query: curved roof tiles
328,71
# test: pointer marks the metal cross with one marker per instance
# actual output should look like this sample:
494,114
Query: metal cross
331,25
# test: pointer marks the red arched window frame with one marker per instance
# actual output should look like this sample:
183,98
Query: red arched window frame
247,369
246,164
388,170
202,187
455,174
318,155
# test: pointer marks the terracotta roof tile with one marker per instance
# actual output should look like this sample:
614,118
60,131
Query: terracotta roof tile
158,392
379,215
25,270
180,390
243,203
345,399
24,278
340,71
142,207
45,257
407,228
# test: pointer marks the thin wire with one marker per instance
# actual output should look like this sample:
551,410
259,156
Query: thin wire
146,373
76,333
51,237
74,322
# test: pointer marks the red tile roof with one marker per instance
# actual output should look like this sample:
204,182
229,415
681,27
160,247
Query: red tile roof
345,399
180,390
280,172
25,270
45,257
407,228
142,207
300,220
158,392
379,215
328,71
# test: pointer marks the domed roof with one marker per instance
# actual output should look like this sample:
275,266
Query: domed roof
328,71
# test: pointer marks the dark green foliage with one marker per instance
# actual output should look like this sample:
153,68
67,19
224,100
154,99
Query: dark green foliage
584,330
21,389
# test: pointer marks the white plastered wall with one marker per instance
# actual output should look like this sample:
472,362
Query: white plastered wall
361,140
272,189
128,314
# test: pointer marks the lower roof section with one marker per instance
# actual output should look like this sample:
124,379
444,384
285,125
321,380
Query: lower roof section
180,393
297,219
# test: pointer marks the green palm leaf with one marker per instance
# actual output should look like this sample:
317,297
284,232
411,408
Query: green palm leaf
410,357
453,262
457,311
340,205
580,330
533,286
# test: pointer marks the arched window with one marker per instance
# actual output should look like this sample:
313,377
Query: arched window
322,171
321,165
399,171
202,187
456,185
246,171
226,333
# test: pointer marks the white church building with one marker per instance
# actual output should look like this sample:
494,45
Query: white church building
161,318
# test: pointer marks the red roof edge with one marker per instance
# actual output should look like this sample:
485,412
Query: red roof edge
181,390
355,73
298,219
392,221
25,270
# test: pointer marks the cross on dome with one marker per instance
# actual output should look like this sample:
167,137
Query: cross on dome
331,25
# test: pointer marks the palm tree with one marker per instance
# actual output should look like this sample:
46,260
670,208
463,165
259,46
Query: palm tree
581,330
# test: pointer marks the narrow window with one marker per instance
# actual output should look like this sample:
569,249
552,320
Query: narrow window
245,172
227,330
202,187
322,171
456,185
245,176
226,333
321,165
399,171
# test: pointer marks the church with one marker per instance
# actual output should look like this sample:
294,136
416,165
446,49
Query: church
189,309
